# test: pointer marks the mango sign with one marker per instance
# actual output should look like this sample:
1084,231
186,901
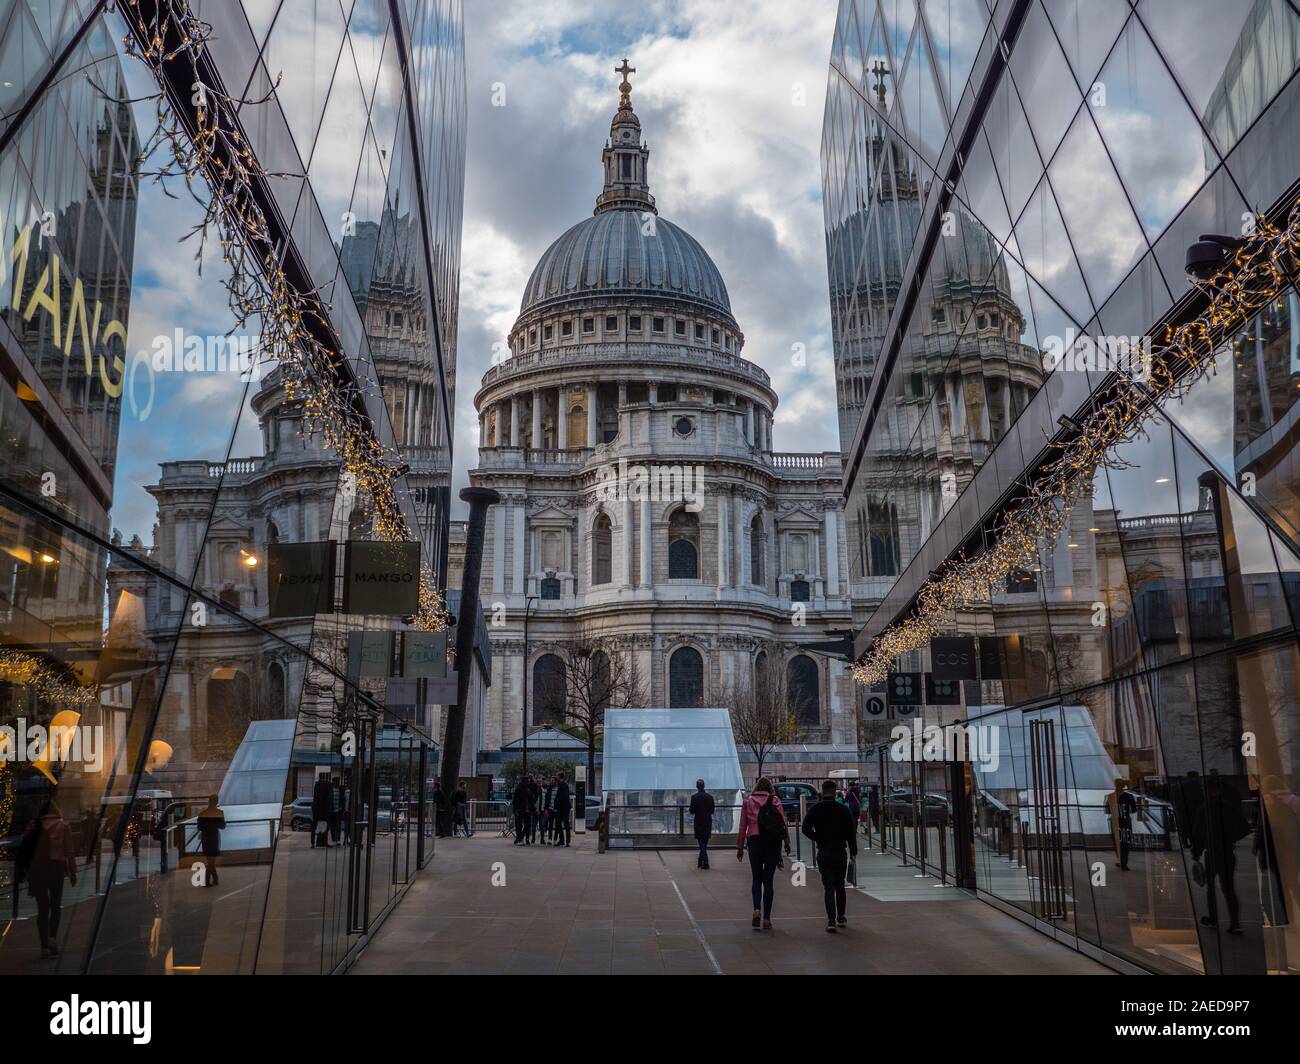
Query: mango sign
47,296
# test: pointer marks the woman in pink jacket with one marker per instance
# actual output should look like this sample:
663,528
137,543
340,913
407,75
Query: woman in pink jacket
763,831
53,860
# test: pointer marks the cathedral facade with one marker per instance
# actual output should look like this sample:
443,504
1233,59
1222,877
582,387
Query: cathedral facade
643,505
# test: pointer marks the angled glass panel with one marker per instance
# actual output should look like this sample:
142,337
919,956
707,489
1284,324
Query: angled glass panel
1041,76
1230,56
1086,29
304,46
956,28
1143,117
1106,237
1012,147
1048,257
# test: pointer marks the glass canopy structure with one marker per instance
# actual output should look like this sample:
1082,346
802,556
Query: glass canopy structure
653,758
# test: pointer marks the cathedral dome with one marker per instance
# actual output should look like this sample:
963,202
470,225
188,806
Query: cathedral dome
610,254
624,250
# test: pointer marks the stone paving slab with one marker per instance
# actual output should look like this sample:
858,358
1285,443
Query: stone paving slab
574,911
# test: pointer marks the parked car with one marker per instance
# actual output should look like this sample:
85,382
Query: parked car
789,794
298,814
593,810
898,807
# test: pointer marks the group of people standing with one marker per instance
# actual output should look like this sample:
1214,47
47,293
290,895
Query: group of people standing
764,834
542,809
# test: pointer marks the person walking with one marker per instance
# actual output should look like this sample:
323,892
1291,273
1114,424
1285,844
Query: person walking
702,806
519,803
211,823
46,857
763,833
562,805
322,807
829,824
460,810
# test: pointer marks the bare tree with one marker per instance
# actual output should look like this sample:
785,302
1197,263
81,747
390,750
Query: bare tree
598,675
765,707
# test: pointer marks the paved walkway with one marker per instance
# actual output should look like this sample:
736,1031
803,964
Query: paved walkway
561,911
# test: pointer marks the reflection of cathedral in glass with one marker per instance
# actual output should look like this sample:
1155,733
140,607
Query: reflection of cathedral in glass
971,225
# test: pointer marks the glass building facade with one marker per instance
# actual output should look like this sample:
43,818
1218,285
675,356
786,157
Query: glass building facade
153,468
999,180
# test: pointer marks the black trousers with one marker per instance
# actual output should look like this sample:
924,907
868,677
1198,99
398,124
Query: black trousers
560,827
763,856
521,825
703,842
834,868
48,892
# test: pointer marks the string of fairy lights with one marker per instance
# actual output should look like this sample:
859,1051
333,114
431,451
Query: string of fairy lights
1257,274
220,171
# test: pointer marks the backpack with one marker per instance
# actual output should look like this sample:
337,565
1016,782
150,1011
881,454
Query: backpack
771,824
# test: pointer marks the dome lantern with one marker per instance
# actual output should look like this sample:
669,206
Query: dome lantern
626,187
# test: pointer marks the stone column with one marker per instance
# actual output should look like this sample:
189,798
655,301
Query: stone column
592,421
537,417
561,419
762,431
654,392
647,557
622,418
627,542
499,551
722,541
832,554
519,584
738,537
514,421
749,422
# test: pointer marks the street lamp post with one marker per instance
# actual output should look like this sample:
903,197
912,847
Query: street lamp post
528,606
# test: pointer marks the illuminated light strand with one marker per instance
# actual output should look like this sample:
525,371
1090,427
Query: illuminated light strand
1258,273
215,157
47,682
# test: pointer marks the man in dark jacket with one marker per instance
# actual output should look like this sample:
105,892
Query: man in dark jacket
830,826
519,802
702,806
562,805
322,805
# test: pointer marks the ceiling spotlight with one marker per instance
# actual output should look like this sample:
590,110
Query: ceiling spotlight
1162,480
46,558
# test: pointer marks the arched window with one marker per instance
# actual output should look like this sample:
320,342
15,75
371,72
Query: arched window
598,681
760,672
684,545
802,690
549,693
275,691
756,550
602,550
272,532
230,710
685,679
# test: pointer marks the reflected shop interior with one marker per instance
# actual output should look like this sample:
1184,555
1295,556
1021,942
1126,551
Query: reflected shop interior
173,544
1139,678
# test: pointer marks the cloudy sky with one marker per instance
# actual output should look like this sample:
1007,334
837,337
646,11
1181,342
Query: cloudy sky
731,108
